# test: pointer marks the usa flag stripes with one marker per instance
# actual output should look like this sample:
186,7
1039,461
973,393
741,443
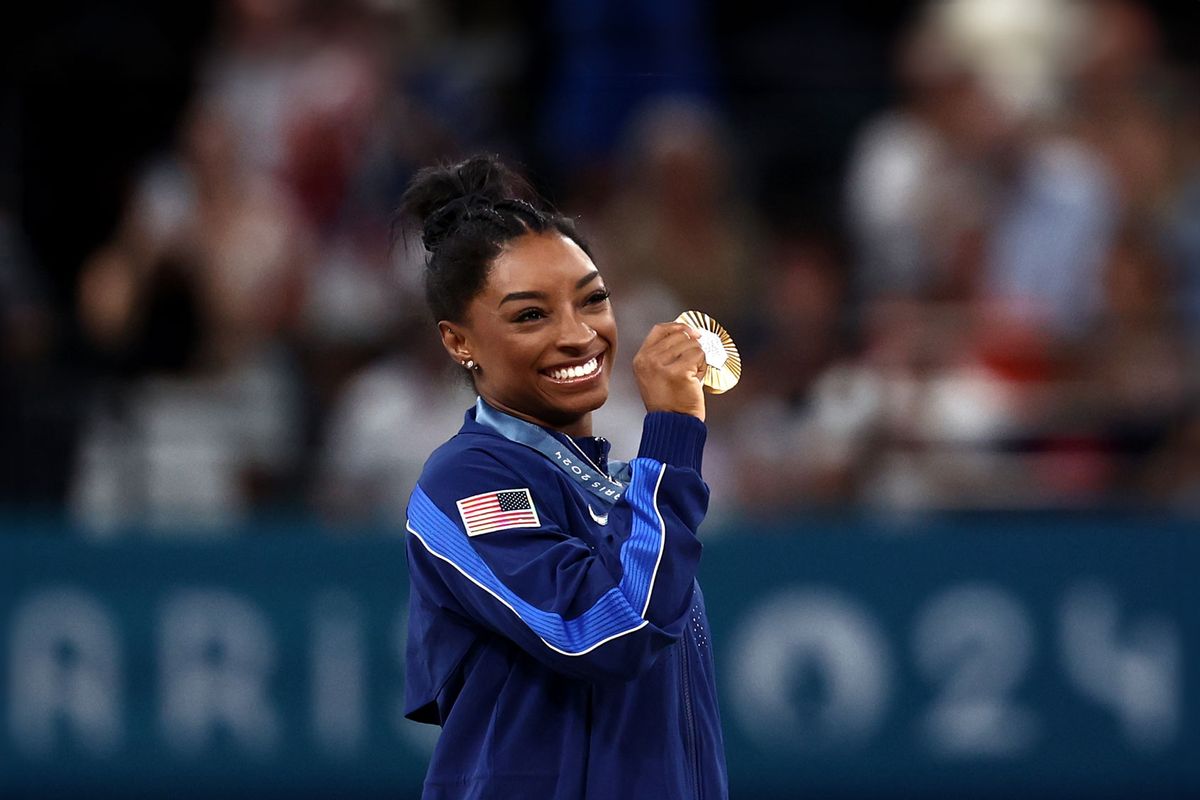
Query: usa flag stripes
495,511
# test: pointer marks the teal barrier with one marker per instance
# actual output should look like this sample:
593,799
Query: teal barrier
989,656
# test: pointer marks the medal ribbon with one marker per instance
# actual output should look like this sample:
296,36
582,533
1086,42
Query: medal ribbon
574,463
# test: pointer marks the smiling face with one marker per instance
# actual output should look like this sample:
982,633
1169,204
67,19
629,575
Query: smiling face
542,332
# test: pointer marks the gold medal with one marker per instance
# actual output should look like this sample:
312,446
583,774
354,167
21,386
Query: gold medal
724,362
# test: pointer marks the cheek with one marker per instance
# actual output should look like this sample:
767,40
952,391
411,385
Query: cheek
524,352
608,330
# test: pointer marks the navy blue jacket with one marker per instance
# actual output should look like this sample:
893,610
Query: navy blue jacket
568,656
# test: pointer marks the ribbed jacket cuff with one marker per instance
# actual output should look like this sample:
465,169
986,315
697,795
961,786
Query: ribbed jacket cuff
675,439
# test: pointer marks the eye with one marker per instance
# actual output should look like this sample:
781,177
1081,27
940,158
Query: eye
529,315
598,296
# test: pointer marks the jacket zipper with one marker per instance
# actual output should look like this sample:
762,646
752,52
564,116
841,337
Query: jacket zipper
690,720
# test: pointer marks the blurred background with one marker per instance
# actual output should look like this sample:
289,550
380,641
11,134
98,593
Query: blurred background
954,497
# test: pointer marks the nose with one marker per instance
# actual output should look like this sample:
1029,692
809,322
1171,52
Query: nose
574,333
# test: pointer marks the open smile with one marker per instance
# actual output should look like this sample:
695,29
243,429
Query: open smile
578,372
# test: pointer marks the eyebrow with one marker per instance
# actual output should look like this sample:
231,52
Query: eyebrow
584,281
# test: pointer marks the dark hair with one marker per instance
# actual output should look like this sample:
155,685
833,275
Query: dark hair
468,212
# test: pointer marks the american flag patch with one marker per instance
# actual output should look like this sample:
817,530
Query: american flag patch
496,511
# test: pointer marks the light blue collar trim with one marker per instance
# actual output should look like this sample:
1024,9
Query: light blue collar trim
573,462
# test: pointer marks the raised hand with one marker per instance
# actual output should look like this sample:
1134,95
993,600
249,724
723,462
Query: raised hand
669,367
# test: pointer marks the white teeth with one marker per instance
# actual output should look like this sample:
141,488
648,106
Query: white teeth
571,373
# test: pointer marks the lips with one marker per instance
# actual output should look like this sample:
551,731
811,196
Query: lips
576,371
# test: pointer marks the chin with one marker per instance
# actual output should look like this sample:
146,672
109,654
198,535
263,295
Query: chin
585,403
563,411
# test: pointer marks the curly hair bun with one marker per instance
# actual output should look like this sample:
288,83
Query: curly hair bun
441,198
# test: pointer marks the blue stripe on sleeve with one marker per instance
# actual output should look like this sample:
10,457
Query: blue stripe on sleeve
617,612
642,550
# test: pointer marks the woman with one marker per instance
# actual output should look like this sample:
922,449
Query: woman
556,633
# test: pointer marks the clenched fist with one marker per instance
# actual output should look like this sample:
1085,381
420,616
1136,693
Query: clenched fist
669,369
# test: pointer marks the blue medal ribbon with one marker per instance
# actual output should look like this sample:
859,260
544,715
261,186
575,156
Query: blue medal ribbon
574,463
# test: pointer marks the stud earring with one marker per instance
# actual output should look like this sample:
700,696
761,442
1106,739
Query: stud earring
470,364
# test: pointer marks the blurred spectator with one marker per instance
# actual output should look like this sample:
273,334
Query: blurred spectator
189,304
382,427
969,184
679,218
1141,111
801,333
1139,372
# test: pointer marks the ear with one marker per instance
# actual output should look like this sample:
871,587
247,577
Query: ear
454,339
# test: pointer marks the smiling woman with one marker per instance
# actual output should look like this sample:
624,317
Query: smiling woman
557,633
541,333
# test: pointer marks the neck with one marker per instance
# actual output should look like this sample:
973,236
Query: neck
579,426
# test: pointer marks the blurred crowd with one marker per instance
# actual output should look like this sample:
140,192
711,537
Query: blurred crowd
998,307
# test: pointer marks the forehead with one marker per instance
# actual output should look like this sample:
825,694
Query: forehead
542,262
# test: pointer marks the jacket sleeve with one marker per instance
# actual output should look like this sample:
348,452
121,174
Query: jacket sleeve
599,611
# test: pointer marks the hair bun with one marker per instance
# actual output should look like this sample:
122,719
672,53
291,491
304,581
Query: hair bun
442,222
442,198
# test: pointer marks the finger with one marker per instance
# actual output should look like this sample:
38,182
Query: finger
684,362
681,347
685,368
664,330
671,342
